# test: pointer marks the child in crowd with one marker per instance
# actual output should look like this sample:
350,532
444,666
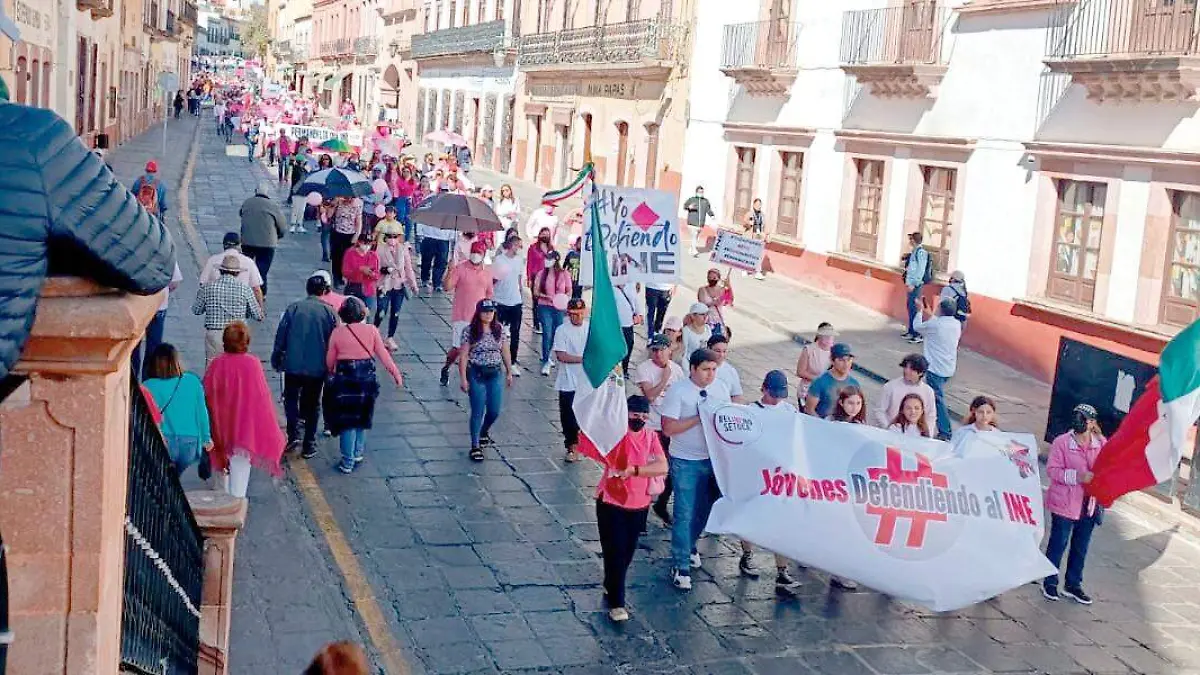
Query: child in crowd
851,406
981,418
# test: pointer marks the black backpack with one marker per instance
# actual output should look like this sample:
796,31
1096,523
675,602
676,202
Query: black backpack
927,273
962,305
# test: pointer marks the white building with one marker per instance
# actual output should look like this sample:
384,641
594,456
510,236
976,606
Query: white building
1046,149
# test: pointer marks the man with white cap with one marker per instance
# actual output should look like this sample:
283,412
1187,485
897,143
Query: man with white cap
696,331
223,301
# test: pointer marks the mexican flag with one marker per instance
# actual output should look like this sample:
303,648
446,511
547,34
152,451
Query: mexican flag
600,399
1151,439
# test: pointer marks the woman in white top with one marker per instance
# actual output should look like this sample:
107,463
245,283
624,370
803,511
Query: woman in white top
508,207
696,331
981,419
910,421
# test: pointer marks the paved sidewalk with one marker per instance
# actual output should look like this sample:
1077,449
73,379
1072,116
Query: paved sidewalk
288,599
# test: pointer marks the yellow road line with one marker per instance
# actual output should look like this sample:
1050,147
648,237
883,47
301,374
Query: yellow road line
365,603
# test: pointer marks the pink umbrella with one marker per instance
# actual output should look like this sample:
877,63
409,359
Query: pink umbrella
445,137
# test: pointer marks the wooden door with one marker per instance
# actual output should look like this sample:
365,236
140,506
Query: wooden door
868,204
1163,27
917,37
1181,287
743,186
788,218
1075,256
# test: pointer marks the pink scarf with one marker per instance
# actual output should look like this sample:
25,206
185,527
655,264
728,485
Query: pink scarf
242,412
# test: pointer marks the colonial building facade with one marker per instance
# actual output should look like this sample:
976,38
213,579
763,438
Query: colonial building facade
1045,149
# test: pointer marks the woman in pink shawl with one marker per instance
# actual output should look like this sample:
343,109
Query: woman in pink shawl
245,431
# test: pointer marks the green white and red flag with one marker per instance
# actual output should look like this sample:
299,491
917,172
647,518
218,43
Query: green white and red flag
1151,440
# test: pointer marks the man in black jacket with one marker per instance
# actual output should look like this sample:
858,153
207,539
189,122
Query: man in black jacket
63,212
301,341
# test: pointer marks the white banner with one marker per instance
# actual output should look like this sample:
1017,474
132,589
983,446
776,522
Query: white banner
906,516
318,135
737,251
641,235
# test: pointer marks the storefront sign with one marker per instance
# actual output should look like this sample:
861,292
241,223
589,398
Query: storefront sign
641,235
910,517
34,25
606,88
737,251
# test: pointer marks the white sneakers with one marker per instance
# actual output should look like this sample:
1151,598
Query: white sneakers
545,370
618,614
695,561
390,343
516,370
682,581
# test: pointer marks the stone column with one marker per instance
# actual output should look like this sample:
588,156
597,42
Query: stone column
64,455
220,517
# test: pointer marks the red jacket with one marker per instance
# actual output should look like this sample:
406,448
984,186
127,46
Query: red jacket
362,268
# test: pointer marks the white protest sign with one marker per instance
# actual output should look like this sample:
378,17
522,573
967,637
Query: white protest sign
737,251
641,235
320,134
908,516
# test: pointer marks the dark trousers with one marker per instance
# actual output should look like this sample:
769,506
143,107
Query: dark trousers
656,308
619,531
566,415
660,502
391,301
628,332
434,255
338,244
1076,533
914,307
510,315
301,405
262,257
154,338
284,161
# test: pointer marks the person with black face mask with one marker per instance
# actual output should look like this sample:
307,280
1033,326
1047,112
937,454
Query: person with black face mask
1073,512
633,475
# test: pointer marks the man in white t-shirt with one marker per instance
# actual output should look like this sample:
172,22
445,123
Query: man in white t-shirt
691,468
569,341
654,377
542,217
726,373
249,273
508,274
630,313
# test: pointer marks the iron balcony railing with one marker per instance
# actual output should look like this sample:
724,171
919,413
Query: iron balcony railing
1123,28
907,35
338,47
629,42
480,37
367,45
300,54
164,557
188,12
769,45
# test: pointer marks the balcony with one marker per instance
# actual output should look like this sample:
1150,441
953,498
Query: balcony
1127,50
282,48
187,13
336,48
896,51
366,47
649,44
99,8
481,37
761,55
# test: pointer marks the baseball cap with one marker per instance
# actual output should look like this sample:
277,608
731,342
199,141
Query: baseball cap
485,305
840,350
827,331
776,384
231,239
151,166
673,323
698,308
659,341
324,274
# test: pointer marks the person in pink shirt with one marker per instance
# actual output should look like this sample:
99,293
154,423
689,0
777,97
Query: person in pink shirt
349,404
551,291
285,148
398,282
535,261
1073,513
360,265
471,282
633,474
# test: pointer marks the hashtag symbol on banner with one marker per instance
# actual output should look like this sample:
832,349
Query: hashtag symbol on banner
889,515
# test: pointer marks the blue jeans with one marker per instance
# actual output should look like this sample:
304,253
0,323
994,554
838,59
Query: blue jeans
283,164
401,204
550,319
352,443
938,384
692,481
485,393
1079,534
914,307
393,300
326,231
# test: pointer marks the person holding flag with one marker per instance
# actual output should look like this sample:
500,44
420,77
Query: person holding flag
633,475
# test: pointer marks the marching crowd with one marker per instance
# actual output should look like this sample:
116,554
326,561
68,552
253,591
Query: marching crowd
329,346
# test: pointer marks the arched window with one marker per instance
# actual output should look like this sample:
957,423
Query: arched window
21,75
35,81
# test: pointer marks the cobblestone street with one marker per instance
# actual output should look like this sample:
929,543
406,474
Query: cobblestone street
495,567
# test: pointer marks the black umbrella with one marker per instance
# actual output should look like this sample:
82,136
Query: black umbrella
335,182
457,212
